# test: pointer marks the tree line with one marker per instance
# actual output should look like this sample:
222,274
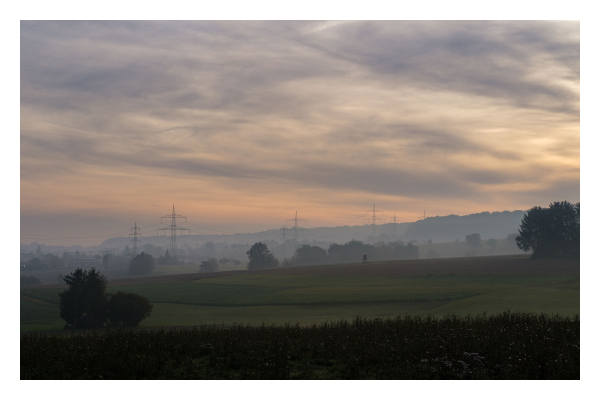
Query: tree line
260,257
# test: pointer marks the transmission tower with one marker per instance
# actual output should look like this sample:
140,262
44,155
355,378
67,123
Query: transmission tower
295,228
173,228
394,224
374,220
423,217
135,239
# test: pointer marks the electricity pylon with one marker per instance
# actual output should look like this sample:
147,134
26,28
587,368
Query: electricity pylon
173,228
423,217
374,220
135,240
295,228
394,224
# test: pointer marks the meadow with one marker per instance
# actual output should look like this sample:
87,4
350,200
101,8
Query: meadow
315,294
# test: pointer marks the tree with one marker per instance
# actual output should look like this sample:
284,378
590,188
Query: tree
309,255
210,265
34,264
142,264
473,240
224,260
128,309
52,261
106,261
492,243
84,303
260,257
551,232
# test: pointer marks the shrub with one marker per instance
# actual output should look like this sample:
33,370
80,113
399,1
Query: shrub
210,265
128,309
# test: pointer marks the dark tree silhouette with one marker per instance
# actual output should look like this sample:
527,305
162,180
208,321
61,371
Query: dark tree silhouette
260,257
210,265
106,261
224,260
309,255
84,303
128,309
142,264
551,232
473,240
34,263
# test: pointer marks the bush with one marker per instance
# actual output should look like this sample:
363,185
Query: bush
210,265
128,309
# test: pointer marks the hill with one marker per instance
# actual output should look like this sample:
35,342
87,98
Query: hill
495,225
331,292
439,229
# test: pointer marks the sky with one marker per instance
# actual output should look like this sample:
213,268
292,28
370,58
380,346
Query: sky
240,124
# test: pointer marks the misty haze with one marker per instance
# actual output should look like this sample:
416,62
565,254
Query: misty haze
300,199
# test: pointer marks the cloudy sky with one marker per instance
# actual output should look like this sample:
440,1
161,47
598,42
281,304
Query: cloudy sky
240,124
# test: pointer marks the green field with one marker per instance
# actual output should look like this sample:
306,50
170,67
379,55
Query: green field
315,294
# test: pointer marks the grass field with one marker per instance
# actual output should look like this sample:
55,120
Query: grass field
315,294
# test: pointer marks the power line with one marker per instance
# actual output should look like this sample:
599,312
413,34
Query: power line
296,228
374,220
282,235
67,237
210,229
135,240
173,228
394,224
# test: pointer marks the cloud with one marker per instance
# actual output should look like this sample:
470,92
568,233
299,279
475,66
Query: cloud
406,110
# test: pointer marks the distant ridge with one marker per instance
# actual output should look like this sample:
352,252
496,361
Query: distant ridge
451,227
439,229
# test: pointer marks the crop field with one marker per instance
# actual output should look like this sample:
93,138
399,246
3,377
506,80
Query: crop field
315,294
503,346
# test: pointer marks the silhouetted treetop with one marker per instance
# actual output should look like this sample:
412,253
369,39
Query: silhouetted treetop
551,232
